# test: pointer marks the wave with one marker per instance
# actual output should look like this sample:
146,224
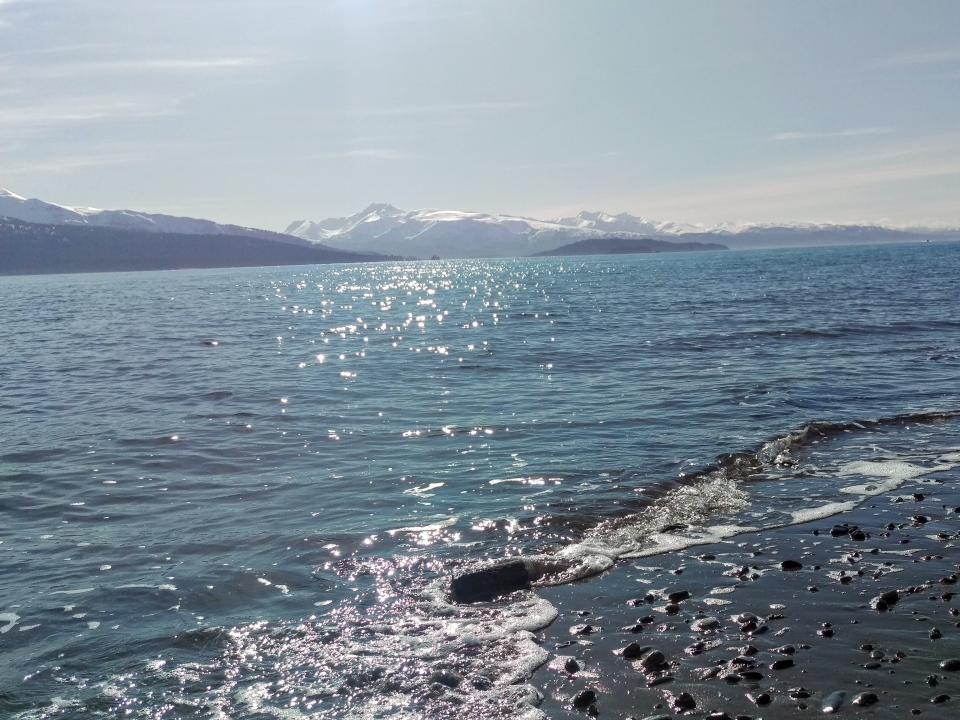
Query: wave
680,518
834,332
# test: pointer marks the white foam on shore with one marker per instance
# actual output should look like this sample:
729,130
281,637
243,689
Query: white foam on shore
798,517
890,475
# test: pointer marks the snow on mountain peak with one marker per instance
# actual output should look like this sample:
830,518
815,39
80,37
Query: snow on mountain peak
4,193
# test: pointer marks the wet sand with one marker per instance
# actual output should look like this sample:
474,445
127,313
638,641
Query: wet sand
757,639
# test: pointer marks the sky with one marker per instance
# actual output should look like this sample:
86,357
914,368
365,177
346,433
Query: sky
260,112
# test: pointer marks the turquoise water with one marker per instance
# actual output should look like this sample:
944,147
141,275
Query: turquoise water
241,491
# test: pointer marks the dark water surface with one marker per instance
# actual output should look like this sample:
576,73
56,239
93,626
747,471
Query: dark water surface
237,493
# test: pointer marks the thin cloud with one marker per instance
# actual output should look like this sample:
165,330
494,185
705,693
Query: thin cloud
430,109
846,184
71,163
851,132
68,110
932,57
368,153
189,64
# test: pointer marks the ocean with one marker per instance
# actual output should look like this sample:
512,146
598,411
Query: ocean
242,493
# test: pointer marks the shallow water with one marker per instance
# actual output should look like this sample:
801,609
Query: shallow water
238,492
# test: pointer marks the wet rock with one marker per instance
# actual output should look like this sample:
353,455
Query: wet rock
584,699
707,624
681,702
864,699
583,629
781,664
760,699
660,680
939,699
858,535
833,701
631,651
951,665
885,600
799,693
678,595
635,628
653,660
935,634
719,715
490,583
790,565
785,650
839,530
751,675
571,665
671,609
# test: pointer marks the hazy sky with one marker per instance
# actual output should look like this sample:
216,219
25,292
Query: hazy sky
264,111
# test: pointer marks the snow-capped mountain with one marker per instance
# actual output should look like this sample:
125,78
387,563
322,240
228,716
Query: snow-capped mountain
446,233
624,223
38,211
455,234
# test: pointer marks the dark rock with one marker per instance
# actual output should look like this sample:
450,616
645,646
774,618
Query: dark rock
671,609
631,651
788,565
584,699
781,664
760,699
858,535
571,665
490,583
864,699
660,680
785,650
800,693
937,700
653,660
751,675
833,701
678,595
935,634
885,600
681,702
951,665
707,624
583,630
840,530
635,628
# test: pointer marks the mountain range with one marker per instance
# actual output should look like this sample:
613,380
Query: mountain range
35,233
455,234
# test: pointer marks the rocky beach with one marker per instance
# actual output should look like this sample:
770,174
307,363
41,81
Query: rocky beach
855,615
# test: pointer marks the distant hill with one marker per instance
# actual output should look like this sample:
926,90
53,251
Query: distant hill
628,246
36,248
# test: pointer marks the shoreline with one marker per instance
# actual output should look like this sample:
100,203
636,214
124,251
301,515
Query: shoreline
815,646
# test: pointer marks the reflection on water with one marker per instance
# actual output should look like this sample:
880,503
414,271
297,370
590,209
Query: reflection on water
240,491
